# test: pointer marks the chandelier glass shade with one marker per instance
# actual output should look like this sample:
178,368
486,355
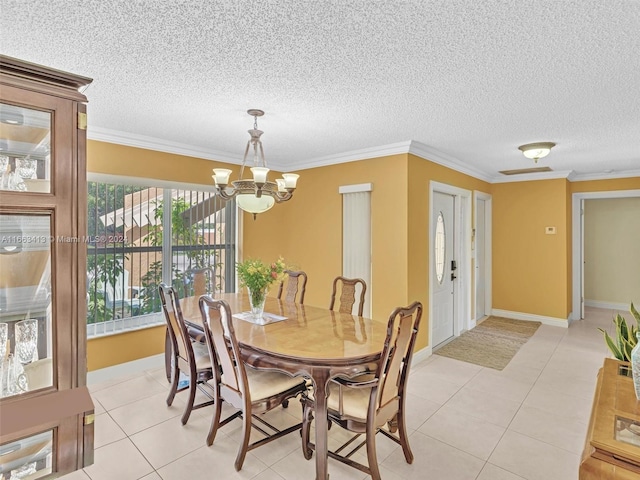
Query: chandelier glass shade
259,194
536,151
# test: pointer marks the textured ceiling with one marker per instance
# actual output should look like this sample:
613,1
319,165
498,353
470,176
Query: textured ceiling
469,80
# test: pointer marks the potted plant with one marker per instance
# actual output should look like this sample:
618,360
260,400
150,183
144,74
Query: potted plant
258,276
625,337
625,347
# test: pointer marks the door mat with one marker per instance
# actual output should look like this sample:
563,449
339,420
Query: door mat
492,343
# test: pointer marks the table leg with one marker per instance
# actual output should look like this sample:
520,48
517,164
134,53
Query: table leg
320,392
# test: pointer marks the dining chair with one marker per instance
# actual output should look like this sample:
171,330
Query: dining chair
348,293
366,404
198,281
188,356
250,391
297,280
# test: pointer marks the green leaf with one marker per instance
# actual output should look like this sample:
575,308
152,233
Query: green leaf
612,346
626,350
635,313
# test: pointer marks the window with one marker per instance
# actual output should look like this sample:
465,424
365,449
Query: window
134,243
439,248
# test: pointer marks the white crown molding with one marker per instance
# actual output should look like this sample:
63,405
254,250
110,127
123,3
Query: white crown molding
355,155
152,143
529,177
415,148
429,153
584,177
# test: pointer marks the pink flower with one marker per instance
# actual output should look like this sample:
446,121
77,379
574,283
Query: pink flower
274,275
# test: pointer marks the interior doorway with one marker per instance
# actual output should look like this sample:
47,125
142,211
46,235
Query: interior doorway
481,246
577,206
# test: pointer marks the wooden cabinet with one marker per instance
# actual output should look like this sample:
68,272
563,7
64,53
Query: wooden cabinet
46,412
612,448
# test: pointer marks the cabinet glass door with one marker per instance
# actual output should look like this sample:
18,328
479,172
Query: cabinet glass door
26,362
25,149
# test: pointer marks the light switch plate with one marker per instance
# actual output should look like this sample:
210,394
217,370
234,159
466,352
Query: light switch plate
550,230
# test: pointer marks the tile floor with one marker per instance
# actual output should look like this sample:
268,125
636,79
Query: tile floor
528,421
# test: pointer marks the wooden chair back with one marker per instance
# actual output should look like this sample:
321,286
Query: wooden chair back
225,352
297,280
348,294
177,329
395,361
198,281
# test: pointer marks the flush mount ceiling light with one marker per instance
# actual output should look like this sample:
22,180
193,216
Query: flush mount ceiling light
259,194
536,150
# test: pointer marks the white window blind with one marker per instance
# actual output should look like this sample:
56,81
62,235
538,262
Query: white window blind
356,236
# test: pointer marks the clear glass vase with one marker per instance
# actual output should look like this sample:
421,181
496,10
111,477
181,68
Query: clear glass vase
635,366
256,299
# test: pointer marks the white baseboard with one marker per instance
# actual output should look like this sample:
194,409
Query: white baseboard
421,355
608,305
530,317
136,366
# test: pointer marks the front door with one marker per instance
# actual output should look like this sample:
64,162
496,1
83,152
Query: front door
443,270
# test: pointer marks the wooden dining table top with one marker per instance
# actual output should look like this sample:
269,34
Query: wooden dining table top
308,333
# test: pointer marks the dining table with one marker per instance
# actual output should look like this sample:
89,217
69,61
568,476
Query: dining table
302,340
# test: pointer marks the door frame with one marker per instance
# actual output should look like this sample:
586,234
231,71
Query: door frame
488,276
577,240
462,241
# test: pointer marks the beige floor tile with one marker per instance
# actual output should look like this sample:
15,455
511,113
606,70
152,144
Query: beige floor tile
120,460
106,430
563,381
435,459
152,476
268,475
77,475
554,400
551,428
96,387
490,407
147,412
451,370
170,440
207,463
463,432
492,381
418,410
533,459
295,467
432,388
129,391
491,472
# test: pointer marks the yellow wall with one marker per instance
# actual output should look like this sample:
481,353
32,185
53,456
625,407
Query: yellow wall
531,270
421,173
307,231
113,159
632,183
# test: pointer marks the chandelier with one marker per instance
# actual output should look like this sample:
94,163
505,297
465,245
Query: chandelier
535,151
259,194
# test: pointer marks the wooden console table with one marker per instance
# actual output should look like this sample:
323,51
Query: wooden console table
612,448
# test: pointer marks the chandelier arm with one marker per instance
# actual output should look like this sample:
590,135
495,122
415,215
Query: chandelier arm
227,196
281,196
244,159
264,160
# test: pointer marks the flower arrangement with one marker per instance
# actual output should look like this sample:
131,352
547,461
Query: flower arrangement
257,276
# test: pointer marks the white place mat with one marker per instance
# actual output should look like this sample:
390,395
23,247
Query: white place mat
267,318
